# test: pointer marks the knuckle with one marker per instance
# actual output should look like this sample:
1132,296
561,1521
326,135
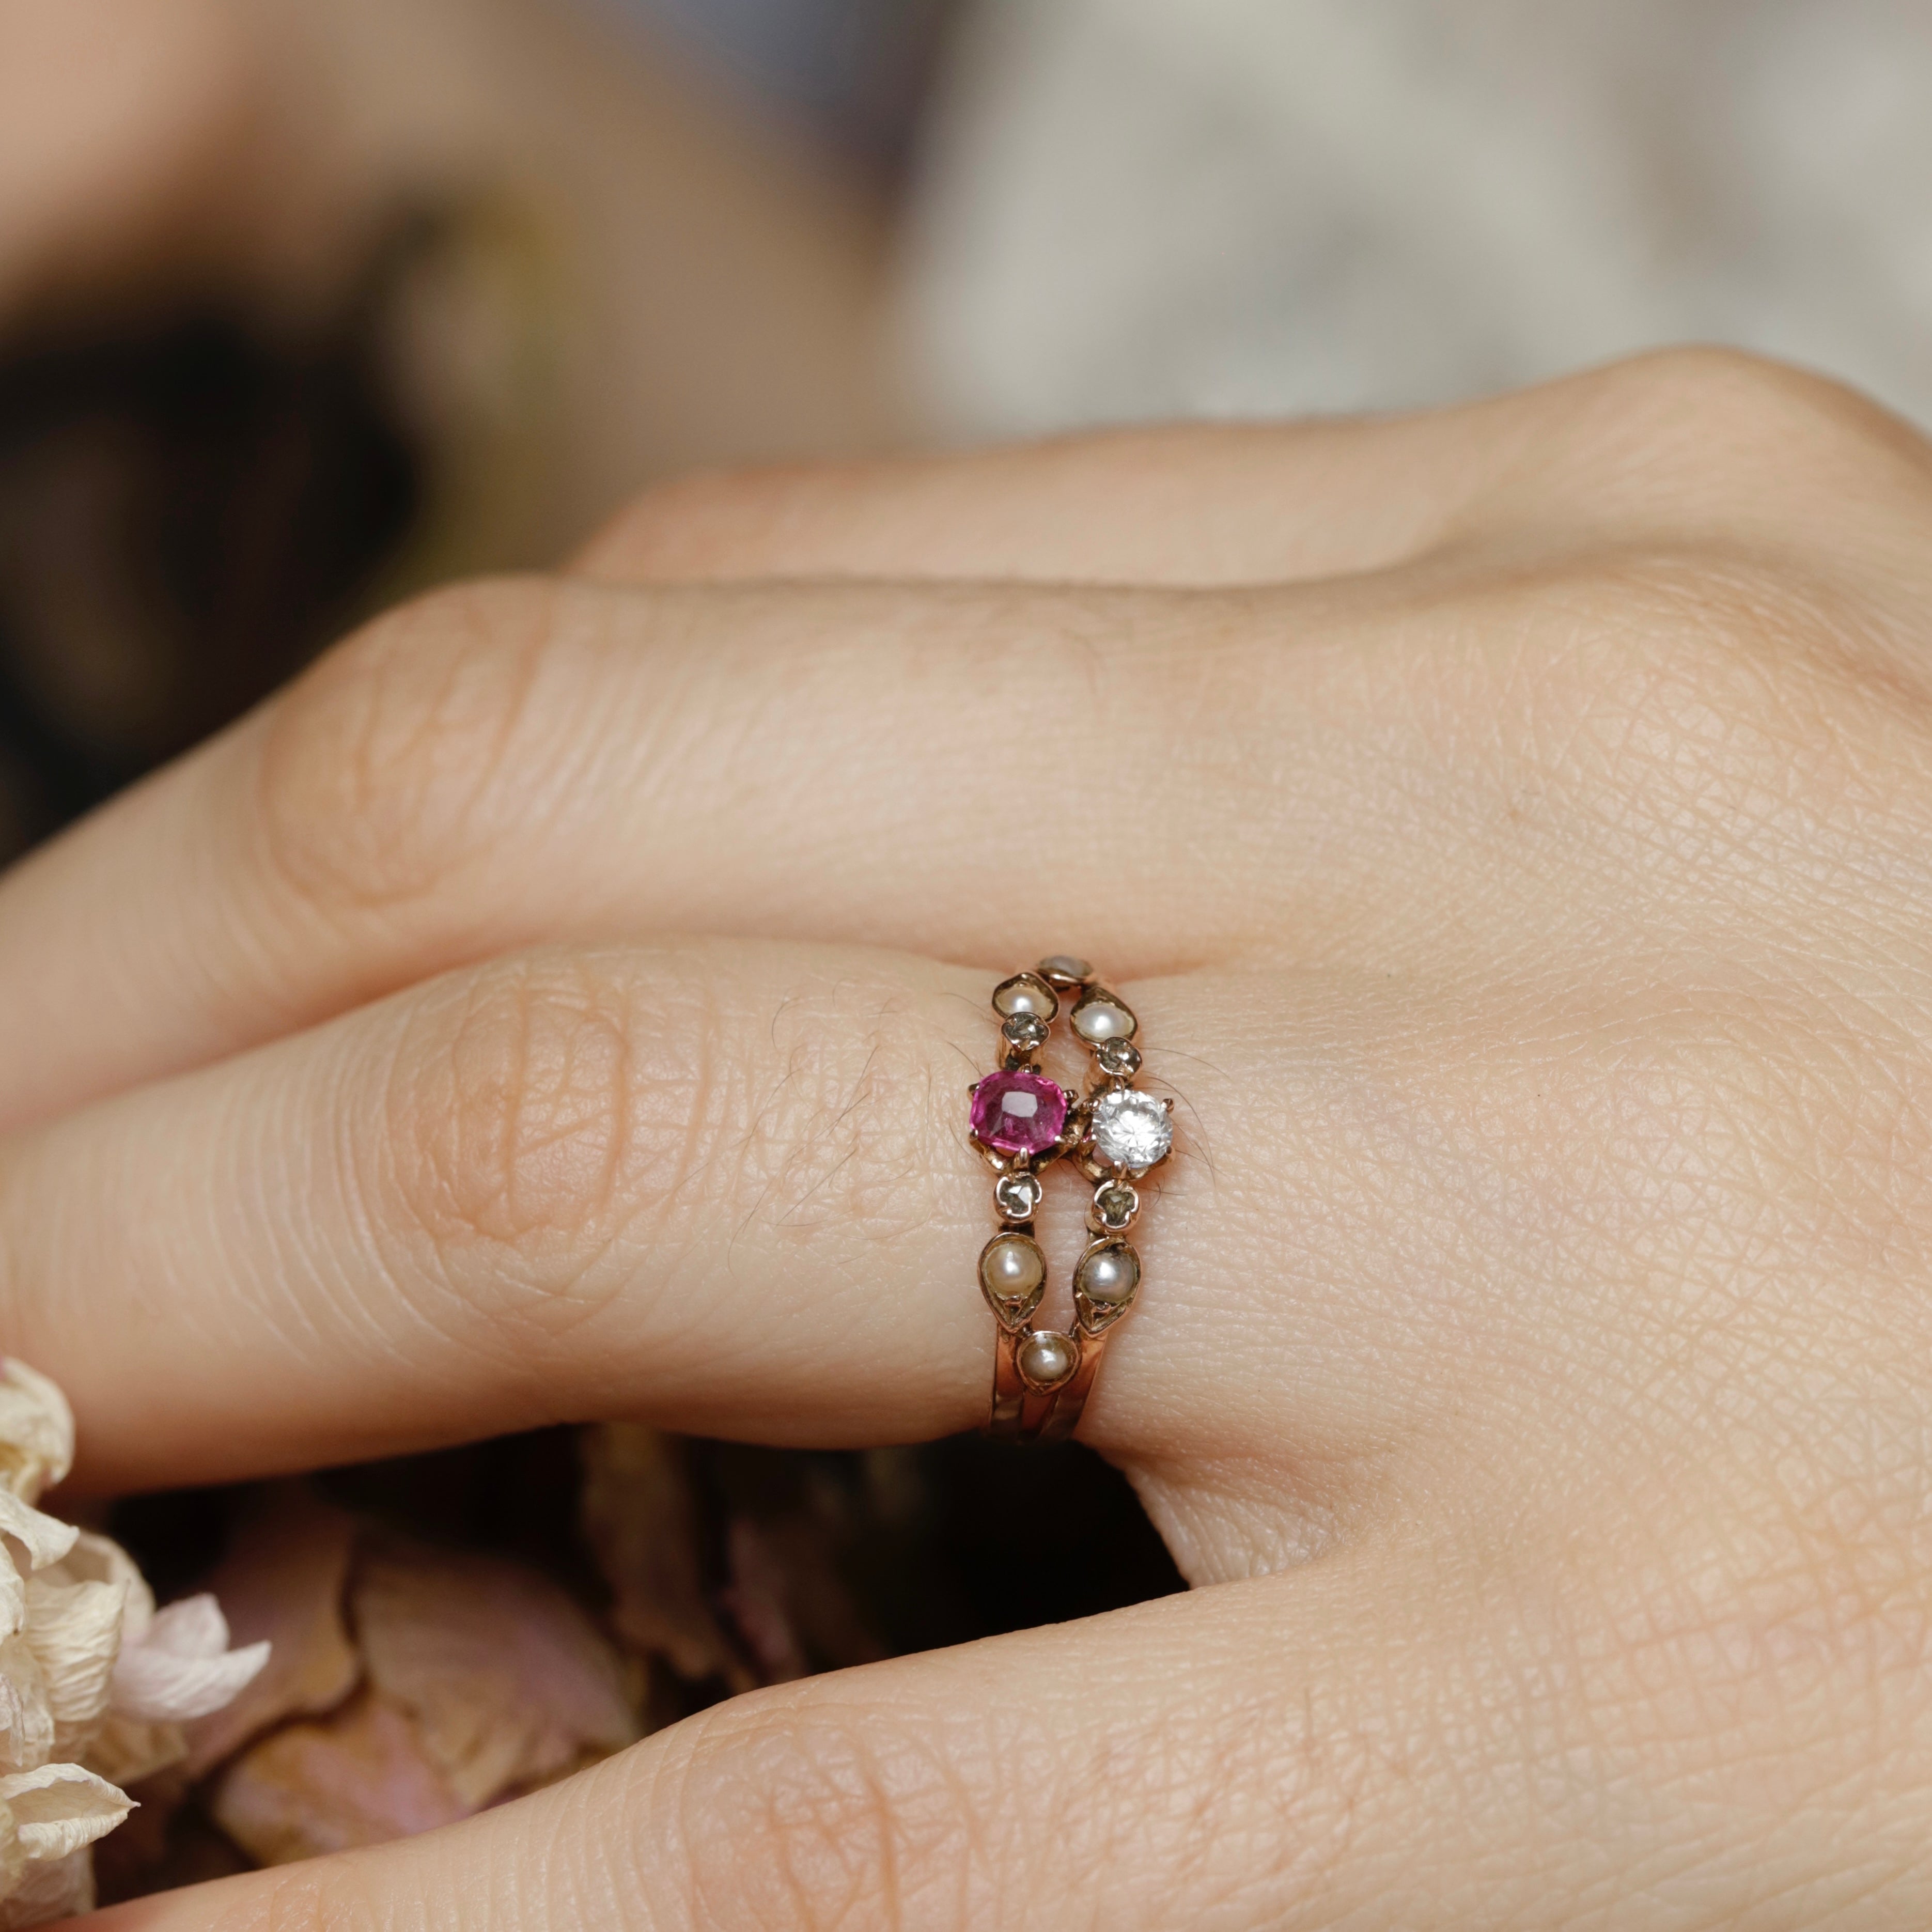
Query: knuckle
718,523
377,768
809,1813
1705,665
811,1808
1735,422
512,1117
546,1114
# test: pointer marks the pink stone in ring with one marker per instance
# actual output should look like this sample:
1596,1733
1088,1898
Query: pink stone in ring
1018,1113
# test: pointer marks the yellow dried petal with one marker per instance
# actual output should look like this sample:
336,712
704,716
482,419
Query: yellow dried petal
36,1431
509,1682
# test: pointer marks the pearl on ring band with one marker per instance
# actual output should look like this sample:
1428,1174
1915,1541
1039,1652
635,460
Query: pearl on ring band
1022,1121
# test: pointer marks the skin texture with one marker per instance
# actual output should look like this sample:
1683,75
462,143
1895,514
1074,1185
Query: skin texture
1514,828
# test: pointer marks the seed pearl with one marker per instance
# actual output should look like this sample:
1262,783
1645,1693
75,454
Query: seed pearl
1108,1276
1063,969
1025,993
1097,1018
1046,1359
1012,1268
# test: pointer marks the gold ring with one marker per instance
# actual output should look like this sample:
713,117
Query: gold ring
1021,1122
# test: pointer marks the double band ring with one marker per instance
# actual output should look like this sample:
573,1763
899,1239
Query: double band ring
1022,1121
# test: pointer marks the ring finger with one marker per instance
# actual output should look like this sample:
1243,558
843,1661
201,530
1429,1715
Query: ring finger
727,1186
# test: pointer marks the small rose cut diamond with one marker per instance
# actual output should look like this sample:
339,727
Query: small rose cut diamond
1131,1129
1018,1112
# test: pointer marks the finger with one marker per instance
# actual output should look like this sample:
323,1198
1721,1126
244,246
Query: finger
518,764
668,1183
728,1189
1388,1738
1189,506
866,763
1683,447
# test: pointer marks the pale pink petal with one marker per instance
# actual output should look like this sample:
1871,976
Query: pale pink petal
193,1627
509,1682
284,1580
360,1777
156,1685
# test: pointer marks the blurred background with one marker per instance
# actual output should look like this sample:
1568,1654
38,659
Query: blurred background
303,308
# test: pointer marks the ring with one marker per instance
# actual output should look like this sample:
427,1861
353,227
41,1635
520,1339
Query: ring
1021,1122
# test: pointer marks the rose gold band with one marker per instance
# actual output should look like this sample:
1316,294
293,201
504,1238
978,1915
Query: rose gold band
1022,1122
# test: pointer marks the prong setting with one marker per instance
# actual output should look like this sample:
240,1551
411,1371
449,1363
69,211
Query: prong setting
1021,1123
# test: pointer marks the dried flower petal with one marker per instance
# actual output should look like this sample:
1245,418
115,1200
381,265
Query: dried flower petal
78,1634
36,1431
125,1752
509,1682
119,1749
60,1807
788,1600
640,1521
49,1889
283,1580
756,1598
45,1539
95,1558
182,1667
73,1630
359,1778
26,1720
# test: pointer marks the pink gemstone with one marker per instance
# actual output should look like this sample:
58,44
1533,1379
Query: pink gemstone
1018,1113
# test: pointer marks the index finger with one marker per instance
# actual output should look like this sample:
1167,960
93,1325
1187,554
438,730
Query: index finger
1680,447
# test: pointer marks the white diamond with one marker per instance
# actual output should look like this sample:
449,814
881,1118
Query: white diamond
1131,1129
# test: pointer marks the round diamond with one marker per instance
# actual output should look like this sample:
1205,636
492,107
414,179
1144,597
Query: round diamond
1115,1203
1018,1112
1120,1057
1017,1196
1131,1129
1026,1030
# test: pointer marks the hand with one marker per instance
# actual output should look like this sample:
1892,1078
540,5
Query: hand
1514,828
